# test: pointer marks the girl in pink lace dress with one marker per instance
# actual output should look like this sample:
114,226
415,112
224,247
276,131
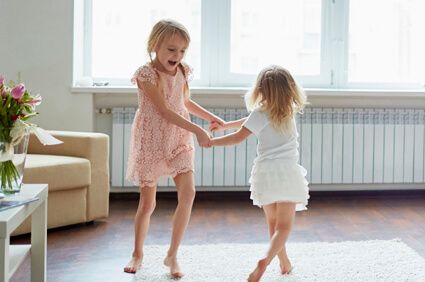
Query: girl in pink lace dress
161,142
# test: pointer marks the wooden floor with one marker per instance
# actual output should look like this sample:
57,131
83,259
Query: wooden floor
98,251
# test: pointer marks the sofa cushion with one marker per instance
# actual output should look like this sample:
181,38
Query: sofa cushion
61,172
64,207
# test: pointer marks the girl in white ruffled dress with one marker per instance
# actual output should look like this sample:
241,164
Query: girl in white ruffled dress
278,183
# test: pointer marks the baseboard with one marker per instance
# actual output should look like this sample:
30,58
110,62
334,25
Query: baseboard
219,195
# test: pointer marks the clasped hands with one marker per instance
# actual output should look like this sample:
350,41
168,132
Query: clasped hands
204,138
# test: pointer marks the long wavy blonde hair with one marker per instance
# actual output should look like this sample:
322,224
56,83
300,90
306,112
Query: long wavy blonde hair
166,29
277,94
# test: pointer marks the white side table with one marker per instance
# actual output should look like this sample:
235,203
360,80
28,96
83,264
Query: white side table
11,256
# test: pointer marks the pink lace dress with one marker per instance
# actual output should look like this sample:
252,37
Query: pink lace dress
158,147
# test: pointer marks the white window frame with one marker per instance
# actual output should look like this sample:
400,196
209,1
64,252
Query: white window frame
215,53
223,77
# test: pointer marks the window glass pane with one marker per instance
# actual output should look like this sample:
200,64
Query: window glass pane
283,32
121,29
386,41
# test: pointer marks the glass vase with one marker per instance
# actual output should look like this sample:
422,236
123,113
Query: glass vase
12,162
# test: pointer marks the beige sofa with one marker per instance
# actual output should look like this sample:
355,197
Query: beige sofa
77,172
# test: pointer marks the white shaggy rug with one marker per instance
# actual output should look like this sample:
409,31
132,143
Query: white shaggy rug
343,261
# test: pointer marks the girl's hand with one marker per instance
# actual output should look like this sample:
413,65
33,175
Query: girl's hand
216,122
212,142
215,126
203,138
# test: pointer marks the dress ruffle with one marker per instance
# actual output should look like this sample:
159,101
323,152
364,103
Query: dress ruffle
279,181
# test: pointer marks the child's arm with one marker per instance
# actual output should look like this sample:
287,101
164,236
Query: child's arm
157,99
232,138
234,124
197,110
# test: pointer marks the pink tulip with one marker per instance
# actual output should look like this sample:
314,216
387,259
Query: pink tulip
18,91
35,101
1,79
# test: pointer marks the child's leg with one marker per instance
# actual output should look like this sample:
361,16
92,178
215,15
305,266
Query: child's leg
141,225
270,212
285,213
185,185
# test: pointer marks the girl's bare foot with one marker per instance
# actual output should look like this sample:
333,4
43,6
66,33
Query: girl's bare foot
172,263
285,267
255,276
133,265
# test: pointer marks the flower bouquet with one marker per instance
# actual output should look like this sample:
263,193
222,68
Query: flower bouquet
17,105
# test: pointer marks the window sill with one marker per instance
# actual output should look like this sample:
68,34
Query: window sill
132,89
238,91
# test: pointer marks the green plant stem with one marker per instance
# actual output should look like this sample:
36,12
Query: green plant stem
9,174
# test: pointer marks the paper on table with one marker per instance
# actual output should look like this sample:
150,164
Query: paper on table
11,203
45,137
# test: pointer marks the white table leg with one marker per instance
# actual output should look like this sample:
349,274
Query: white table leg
4,259
38,243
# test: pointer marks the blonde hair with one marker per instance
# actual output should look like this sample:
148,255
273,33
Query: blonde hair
277,94
166,29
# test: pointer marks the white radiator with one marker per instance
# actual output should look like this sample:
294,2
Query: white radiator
337,146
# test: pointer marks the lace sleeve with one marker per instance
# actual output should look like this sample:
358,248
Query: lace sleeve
145,73
188,72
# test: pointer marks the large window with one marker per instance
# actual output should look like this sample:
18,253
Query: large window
324,43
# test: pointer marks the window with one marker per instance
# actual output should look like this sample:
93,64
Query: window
120,30
282,32
324,43
388,50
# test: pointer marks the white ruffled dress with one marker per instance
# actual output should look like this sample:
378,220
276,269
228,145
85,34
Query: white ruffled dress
276,175
279,181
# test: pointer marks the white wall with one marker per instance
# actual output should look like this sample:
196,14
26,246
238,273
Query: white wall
36,40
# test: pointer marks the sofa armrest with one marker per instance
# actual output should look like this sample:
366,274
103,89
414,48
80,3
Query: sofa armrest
95,148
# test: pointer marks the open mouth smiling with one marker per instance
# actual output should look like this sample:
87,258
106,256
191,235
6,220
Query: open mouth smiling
172,63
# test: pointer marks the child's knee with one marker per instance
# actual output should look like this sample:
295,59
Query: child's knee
147,208
283,226
271,220
188,195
